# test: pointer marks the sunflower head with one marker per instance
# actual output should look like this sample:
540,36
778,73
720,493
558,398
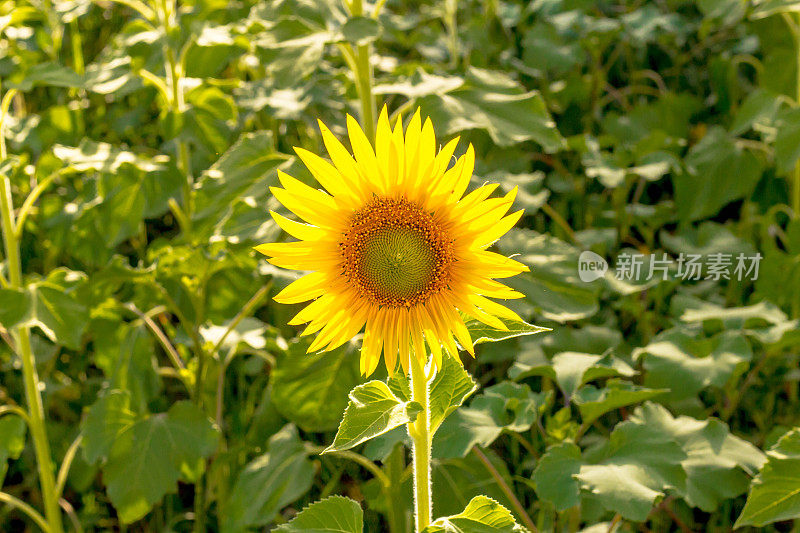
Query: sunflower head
393,245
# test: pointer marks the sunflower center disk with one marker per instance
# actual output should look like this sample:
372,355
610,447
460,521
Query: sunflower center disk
397,262
395,254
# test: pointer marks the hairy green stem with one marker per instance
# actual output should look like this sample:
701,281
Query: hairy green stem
419,430
31,381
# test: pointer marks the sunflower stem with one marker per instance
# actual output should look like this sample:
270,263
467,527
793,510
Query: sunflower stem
362,70
33,395
419,430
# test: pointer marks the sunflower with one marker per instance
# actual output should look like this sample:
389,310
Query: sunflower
394,247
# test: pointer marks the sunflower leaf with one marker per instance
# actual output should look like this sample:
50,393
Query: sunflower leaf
336,514
481,333
482,514
373,410
448,390
774,493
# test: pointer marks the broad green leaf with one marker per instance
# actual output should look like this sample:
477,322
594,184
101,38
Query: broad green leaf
482,515
775,492
49,306
246,169
686,363
104,421
705,239
208,121
552,286
268,483
749,316
706,186
631,471
505,406
491,101
126,354
421,84
335,514
757,111
555,475
448,390
480,332
148,458
594,403
104,157
48,74
717,463
573,369
372,411
311,389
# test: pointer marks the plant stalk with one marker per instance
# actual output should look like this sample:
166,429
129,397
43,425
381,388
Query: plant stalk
419,430
33,395
362,70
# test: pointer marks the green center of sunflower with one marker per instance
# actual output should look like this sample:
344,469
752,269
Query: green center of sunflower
395,254
397,262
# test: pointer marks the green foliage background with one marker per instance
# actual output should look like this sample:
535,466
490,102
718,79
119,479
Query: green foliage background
630,127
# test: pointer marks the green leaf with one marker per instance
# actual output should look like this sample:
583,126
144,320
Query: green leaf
127,356
104,157
775,492
480,332
482,515
335,514
149,457
686,363
448,390
245,170
48,74
208,122
757,110
373,410
104,421
505,406
421,84
268,483
361,30
555,475
573,369
311,389
49,306
491,101
552,286
594,403
717,463
631,471
706,186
